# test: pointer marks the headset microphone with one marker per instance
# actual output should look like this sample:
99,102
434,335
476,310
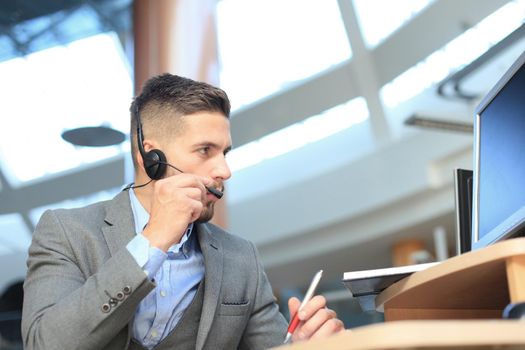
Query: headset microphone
215,192
155,161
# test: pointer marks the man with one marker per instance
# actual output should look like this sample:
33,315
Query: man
145,270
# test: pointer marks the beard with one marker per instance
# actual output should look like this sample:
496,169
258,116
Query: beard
208,207
206,213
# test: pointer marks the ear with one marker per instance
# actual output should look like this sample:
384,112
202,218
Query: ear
149,145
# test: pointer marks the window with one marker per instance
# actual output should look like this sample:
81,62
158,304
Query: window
266,45
84,83
380,18
456,54
298,135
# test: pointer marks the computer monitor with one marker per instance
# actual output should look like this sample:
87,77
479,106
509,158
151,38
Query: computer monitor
463,200
499,160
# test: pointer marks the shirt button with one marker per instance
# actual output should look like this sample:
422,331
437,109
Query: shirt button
154,334
162,293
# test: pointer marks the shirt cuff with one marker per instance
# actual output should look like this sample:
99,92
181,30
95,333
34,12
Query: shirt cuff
149,258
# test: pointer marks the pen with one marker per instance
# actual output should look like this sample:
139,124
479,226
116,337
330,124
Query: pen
309,294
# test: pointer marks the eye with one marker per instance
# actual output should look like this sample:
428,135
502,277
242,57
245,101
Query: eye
204,150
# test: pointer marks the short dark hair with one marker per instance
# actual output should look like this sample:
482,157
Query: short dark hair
167,97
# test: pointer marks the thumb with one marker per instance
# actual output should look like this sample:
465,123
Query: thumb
207,181
293,306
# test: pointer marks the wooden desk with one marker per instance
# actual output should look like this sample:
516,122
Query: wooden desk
475,285
427,335
478,284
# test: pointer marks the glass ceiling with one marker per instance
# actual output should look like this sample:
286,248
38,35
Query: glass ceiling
266,45
29,26
300,134
273,56
85,83
378,19
88,82
62,66
456,54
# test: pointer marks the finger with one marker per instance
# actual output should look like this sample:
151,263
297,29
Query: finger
316,303
314,323
293,306
187,180
197,210
201,182
207,181
192,179
187,200
193,193
330,327
183,181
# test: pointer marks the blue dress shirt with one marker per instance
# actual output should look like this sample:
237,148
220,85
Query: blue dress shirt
176,273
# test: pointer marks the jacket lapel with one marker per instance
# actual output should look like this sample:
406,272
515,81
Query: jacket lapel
120,228
213,263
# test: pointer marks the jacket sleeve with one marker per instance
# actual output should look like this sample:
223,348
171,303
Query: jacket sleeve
63,308
267,326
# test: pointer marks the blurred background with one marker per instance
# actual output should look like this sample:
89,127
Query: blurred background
348,119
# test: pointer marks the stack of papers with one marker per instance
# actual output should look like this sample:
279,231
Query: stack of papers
367,284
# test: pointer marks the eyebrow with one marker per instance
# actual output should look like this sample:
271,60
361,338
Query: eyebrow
213,145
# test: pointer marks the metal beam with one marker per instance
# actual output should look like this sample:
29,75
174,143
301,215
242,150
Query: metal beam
433,28
79,182
437,25
365,73
307,98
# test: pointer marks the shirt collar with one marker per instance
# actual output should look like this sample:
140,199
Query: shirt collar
141,218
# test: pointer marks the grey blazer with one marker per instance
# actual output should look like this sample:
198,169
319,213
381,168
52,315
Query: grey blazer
83,286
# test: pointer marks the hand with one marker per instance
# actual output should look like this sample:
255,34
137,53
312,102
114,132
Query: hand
317,321
176,202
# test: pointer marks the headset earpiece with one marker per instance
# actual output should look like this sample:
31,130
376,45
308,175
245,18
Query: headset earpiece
154,160
155,164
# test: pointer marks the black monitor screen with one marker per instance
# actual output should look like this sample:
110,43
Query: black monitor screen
501,161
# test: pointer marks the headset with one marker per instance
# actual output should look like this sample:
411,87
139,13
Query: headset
154,160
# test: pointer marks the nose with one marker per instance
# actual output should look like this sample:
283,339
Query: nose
222,170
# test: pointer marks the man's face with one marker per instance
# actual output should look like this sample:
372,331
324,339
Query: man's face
200,149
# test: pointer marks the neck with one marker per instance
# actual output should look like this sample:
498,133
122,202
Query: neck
144,194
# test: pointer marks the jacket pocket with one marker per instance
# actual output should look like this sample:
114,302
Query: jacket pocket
234,309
